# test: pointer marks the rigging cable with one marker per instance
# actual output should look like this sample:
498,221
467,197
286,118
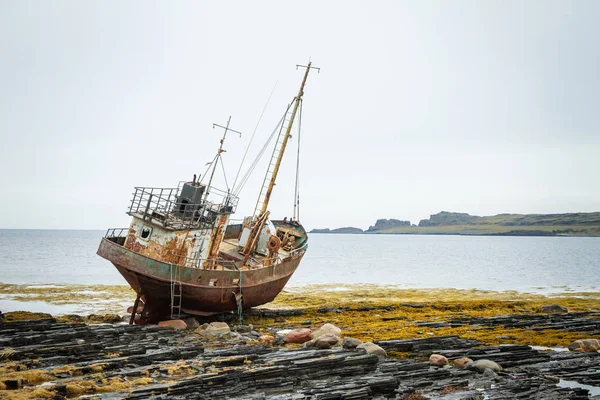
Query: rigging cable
257,159
209,164
254,133
224,174
297,187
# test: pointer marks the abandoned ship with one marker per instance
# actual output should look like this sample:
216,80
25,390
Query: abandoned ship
181,254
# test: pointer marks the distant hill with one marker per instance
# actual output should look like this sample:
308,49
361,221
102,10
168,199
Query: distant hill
387,224
453,223
348,229
452,218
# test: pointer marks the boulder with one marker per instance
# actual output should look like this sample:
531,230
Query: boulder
587,345
327,329
481,365
323,342
173,323
438,360
372,348
350,343
461,362
282,333
553,308
298,336
217,329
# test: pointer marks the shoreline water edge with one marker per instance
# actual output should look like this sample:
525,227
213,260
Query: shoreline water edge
320,341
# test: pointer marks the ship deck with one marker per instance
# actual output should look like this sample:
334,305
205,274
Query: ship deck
229,250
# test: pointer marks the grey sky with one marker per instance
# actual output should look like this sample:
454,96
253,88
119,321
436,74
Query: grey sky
473,106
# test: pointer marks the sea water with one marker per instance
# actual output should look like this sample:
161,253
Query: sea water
526,264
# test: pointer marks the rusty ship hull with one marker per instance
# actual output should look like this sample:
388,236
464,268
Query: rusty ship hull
203,291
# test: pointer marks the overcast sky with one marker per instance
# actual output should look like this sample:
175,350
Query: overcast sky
483,107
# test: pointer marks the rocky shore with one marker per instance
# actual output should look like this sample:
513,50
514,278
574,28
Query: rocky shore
286,356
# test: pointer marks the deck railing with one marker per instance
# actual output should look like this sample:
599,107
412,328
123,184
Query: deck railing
116,233
162,205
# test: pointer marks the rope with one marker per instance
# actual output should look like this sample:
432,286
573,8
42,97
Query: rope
254,133
224,174
257,159
297,187
172,288
240,308
208,167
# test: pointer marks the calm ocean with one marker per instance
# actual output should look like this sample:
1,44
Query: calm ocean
528,264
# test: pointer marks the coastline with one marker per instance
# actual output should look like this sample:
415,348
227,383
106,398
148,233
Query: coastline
550,231
344,304
100,356
454,223
83,299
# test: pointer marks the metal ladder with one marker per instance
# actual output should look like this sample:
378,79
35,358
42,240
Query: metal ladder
176,293
280,138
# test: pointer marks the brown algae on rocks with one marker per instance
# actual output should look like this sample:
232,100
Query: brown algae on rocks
370,312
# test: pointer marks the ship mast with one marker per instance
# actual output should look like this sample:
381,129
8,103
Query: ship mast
279,154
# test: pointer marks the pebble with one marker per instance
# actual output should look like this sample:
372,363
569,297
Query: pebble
372,348
461,362
482,365
588,345
350,343
217,329
438,360
173,323
323,342
327,329
298,336
266,338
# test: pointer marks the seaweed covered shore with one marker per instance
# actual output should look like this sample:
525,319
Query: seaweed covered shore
392,343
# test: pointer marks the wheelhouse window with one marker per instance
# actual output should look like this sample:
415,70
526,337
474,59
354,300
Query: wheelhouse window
145,233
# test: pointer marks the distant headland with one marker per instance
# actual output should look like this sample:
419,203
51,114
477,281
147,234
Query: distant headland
452,223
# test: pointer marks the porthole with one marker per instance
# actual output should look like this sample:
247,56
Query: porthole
145,233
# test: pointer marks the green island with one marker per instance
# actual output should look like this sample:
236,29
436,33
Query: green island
453,223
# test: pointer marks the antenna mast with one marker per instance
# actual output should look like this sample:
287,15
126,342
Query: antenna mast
212,174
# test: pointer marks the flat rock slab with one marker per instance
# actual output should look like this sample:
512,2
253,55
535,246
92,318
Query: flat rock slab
236,370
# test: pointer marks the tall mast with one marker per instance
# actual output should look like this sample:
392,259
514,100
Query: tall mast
297,101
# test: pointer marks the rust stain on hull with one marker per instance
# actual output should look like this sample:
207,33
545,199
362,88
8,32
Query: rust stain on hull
203,291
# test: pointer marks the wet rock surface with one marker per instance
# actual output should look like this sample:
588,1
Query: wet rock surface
120,361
